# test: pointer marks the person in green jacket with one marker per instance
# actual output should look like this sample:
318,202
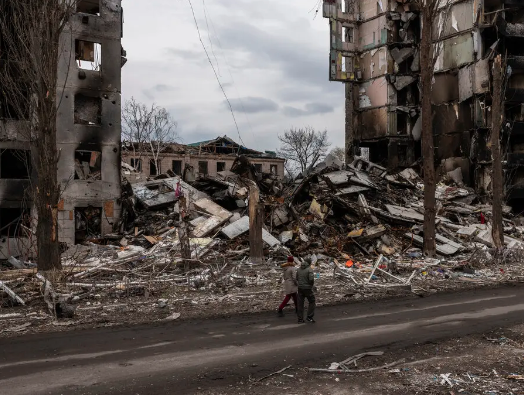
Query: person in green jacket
306,280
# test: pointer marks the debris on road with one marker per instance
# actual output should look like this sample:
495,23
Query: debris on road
343,367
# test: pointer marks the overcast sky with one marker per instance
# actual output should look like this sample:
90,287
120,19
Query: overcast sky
272,58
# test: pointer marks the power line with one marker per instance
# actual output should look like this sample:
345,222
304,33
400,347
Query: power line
209,36
214,71
231,75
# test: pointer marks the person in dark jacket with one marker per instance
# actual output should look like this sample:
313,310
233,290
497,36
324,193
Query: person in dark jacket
306,280
290,284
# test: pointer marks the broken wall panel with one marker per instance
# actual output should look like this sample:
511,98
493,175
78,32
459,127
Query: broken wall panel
445,88
452,118
459,17
374,33
376,63
371,8
450,145
454,52
373,123
376,93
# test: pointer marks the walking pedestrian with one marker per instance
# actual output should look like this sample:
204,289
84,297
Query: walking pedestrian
290,285
306,280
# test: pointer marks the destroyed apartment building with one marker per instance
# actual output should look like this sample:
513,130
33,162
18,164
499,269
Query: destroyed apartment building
374,50
199,160
88,135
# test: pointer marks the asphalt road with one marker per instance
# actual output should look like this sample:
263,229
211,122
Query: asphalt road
180,357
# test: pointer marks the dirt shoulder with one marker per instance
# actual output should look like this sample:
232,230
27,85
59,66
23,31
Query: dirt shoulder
491,363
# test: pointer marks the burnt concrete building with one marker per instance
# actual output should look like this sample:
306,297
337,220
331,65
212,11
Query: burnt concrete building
374,51
88,135
201,159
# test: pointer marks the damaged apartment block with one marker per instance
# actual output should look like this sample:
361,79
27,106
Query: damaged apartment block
374,51
88,132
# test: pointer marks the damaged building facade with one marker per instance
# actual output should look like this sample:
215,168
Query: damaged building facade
374,51
202,159
88,135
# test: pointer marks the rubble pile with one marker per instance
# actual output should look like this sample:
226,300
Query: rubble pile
360,225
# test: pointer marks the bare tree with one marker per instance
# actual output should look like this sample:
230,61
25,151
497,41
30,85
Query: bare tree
303,148
498,176
339,153
147,131
429,53
30,50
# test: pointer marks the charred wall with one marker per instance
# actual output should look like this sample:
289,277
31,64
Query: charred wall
89,115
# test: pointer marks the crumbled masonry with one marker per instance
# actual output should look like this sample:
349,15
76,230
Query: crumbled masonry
359,224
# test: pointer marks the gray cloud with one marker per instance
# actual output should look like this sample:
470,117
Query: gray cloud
163,88
281,76
266,50
310,109
253,105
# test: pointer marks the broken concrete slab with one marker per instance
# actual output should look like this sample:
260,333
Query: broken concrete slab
286,236
443,249
161,193
401,55
339,177
242,226
219,216
351,190
403,81
280,216
404,212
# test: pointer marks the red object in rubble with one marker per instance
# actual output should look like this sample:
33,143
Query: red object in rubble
482,219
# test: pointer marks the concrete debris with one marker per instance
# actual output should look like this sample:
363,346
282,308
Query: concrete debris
341,216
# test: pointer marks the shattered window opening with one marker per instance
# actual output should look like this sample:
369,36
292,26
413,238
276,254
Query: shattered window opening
154,167
88,7
348,34
15,164
273,169
88,223
258,167
202,168
88,55
364,153
221,166
137,164
88,110
11,220
88,165
176,166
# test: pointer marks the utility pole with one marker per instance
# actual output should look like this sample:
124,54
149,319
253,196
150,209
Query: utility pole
256,247
183,232
497,175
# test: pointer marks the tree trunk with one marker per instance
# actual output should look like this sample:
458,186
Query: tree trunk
426,76
497,177
47,193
